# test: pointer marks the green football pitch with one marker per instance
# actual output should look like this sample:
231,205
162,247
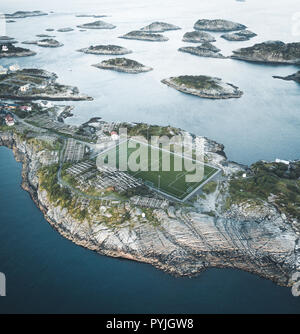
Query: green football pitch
171,182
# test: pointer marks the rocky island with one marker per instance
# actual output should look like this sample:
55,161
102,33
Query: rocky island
243,35
45,43
203,86
218,25
145,36
123,65
65,29
90,15
198,37
36,84
7,39
97,25
9,50
246,218
294,77
270,52
159,27
203,50
106,50
24,14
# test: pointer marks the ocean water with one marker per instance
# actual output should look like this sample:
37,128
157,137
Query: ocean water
47,273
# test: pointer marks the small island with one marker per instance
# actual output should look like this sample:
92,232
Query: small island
45,43
9,50
275,52
65,29
7,39
198,37
123,65
106,50
204,50
293,77
203,86
44,36
90,15
159,27
24,14
145,36
97,25
37,84
218,25
240,36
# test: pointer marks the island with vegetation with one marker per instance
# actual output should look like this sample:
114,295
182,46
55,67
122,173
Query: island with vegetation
159,27
204,86
218,25
203,50
198,37
270,52
106,50
145,36
123,65
97,25
244,218
36,84
9,50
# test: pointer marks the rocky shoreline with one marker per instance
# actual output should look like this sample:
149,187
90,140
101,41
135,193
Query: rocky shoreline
186,242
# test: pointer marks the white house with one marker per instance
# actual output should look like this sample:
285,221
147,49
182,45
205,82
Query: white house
24,88
14,68
46,104
282,161
9,120
114,135
4,48
3,70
